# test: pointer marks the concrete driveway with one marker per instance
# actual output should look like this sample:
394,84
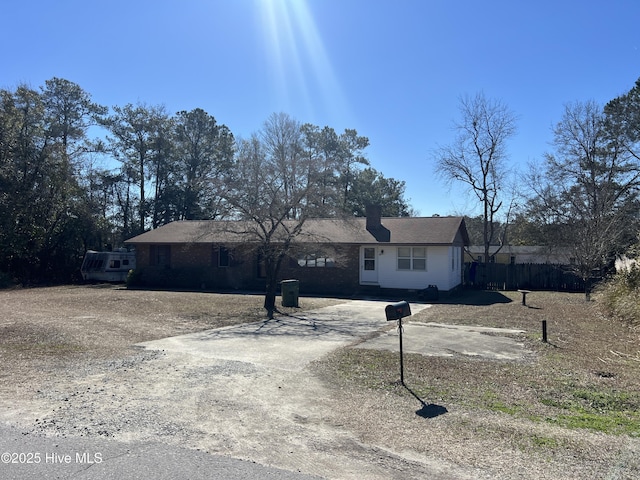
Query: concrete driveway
436,339
286,343
291,342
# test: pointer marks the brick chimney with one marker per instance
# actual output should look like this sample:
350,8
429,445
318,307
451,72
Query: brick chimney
374,217
374,224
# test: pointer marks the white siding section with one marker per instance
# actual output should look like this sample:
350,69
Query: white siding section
455,266
439,270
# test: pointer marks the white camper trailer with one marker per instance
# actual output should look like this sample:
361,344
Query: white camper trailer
107,266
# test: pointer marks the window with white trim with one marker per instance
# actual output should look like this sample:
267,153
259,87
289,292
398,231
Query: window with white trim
412,258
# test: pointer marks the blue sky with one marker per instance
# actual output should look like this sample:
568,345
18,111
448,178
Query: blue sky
392,69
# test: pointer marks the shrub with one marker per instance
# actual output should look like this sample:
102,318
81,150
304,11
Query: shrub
133,278
620,294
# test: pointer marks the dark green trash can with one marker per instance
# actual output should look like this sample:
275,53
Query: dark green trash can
290,292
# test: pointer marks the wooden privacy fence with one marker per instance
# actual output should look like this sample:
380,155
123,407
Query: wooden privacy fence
537,276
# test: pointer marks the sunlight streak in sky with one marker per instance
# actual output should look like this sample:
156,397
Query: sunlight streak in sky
300,67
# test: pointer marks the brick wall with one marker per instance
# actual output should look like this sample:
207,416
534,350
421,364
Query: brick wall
196,266
342,279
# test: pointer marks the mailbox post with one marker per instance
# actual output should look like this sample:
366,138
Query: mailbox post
397,311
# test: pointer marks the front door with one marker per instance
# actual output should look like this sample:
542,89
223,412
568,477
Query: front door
368,265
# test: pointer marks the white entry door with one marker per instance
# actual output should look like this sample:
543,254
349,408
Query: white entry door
368,265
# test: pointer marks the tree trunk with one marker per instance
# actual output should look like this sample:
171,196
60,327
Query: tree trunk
271,285
270,295
272,267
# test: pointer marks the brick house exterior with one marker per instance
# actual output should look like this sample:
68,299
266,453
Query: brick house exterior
330,256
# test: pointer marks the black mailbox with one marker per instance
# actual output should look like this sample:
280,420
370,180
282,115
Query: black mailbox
396,311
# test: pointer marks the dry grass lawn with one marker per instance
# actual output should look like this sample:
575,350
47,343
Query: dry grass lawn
42,329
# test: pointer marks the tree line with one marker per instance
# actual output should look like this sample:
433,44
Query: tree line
76,175
582,195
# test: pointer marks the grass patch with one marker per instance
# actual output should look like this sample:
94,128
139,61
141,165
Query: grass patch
103,321
545,442
491,401
607,401
493,387
601,410
616,423
368,368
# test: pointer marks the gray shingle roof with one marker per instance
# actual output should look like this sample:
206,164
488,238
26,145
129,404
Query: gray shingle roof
396,230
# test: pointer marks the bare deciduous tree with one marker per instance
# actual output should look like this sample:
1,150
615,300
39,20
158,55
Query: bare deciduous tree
478,157
587,189
273,187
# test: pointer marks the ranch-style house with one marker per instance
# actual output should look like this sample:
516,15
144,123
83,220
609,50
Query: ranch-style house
330,256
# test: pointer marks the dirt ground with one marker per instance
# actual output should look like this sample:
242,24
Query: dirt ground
71,367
